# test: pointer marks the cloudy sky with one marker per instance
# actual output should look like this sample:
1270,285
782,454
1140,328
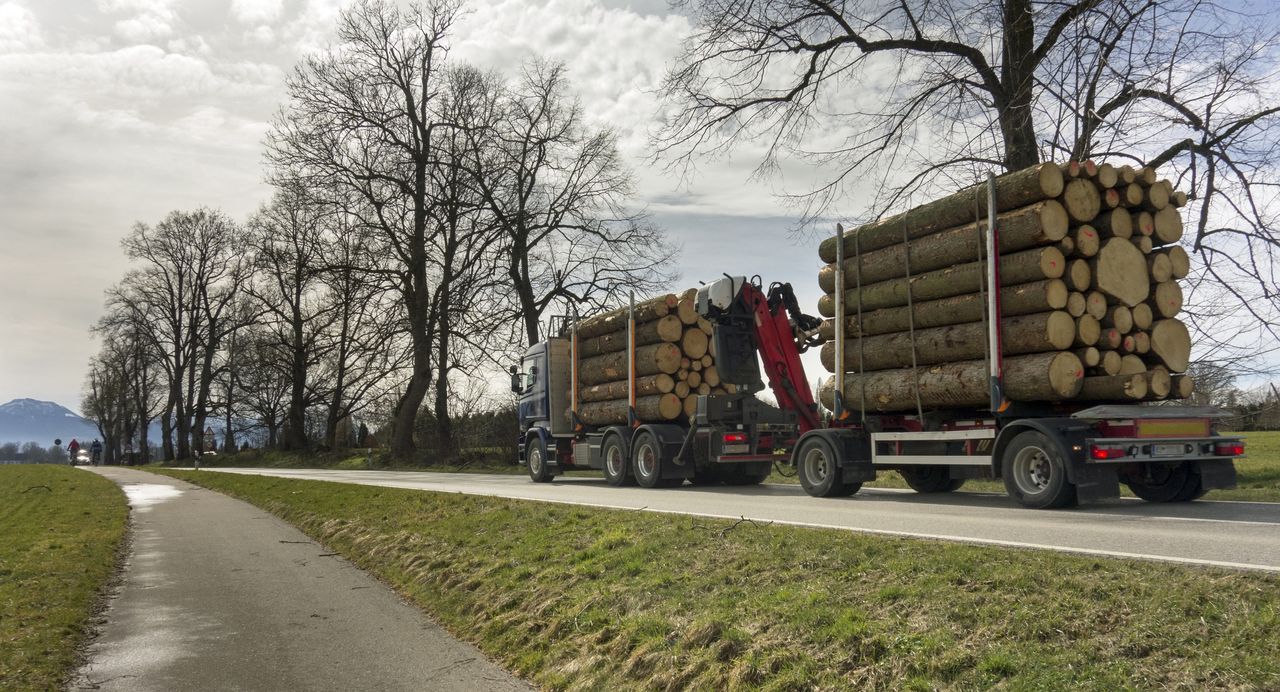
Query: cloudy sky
118,111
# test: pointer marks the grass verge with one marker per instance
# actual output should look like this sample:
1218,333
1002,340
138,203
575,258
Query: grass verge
581,598
62,528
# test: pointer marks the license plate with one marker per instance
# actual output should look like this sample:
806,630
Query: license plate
1167,450
737,449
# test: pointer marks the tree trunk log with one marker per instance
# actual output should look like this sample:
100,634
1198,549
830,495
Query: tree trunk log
690,405
616,320
1120,317
650,408
1167,301
1017,268
1132,365
1050,331
1142,316
1159,267
1110,362
1076,304
711,376
1156,196
1024,299
1107,177
1141,342
1144,224
1095,304
1182,386
1159,383
682,389
1039,224
1079,276
667,328
687,308
1089,356
1117,223
1114,388
1179,262
1087,241
1087,330
1120,271
650,360
694,343
1039,377
1167,226
648,385
1109,339
1013,190
1081,200
1132,195
1171,343
1144,244
1128,175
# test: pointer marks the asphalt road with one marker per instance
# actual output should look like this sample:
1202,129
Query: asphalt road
1243,535
219,595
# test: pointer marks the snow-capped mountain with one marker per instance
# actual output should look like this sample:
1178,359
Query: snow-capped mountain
29,420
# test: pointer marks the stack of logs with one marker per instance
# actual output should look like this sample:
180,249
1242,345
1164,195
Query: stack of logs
674,362
1089,265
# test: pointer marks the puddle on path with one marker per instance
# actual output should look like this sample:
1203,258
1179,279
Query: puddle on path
143,495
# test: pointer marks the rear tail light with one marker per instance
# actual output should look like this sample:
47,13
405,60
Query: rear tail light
735,437
1104,453
1229,449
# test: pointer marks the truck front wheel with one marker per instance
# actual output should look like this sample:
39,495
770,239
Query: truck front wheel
617,470
1035,474
818,470
1164,483
930,479
535,457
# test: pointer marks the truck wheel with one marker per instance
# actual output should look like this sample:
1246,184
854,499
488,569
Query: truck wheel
646,461
1035,473
930,479
1163,483
817,469
617,471
535,456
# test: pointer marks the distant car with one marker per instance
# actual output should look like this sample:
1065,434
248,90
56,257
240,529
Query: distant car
83,457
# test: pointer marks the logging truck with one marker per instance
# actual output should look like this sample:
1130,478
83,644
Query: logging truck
601,394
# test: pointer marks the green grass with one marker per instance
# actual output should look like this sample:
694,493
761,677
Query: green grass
60,530
581,598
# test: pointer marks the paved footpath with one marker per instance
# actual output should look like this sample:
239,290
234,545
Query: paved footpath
219,595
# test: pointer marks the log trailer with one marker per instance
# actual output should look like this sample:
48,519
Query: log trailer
1047,454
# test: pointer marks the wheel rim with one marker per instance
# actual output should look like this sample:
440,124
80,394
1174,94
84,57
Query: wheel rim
535,459
1032,470
613,461
646,461
816,465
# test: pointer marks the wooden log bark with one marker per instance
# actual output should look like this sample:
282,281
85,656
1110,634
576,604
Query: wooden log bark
1067,246
650,360
650,408
1078,276
1179,200
1042,223
695,379
1120,317
1110,362
666,328
1155,197
1024,299
1144,224
1128,344
1142,316
1159,267
1159,383
1141,342
696,365
1132,365
1081,200
1096,304
1107,177
1117,223
682,389
1113,388
1166,299
1110,339
694,343
1016,268
1182,387
1038,377
687,309
690,405
1171,343
711,376
616,320
1128,175
707,328
1013,190
1087,241
1051,331
1076,304
708,361
1147,175
1087,331
1110,199
648,385
1166,226
1179,261
1120,271
704,388
1132,195
1089,356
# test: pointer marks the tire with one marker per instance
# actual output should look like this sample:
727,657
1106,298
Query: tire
930,479
1162,483
818,469
535,459
617,468
1035,474
646,460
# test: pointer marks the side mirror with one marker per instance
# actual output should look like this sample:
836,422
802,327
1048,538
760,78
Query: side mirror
516,385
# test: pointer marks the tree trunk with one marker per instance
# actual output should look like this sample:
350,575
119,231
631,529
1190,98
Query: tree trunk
1043,223
694,343
1167,301
1017,268
1015,103
650,360
1081,200
1050,331
1087,331
1117,223
1181,387
1159,383
1171,343
668,328
1159,267
1167,226
649,385
166,429
1113,388
1087,241
1039,377
1024,299
661,407
1120,271
1179,262
1078,275
616,320
1031,184
687,309
1110,362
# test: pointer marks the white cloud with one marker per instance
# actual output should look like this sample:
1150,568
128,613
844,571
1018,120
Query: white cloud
19,29
149,20
256,11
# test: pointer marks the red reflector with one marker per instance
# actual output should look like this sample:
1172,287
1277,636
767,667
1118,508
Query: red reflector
1103,453
1229,449
735,437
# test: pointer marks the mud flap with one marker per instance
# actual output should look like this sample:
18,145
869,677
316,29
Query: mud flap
1096,482
1219,474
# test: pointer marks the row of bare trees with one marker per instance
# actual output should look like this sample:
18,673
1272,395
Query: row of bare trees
427,219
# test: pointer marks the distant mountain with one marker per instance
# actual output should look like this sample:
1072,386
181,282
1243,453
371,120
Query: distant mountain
29,420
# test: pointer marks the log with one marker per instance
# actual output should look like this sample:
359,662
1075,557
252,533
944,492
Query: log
1050,331
1067,246
1107,177
1081,200
694,343
682,389
616,320
1159,267
1179,200
690,405
682,375
1171,343
1132,195
1159,383
1166,300
1110,199
1120,271
1144,224
653,408
707,328
1095,303
1079,169
1147,175
685,363
1155,197
1117,223
704,388
1087,241
1142,316
650,360
1110,362
1013,190
711,376
1110,339
695,379
667,328
1120,317
1038,377
1089,356
1144,244
1042,223
1141,342
696,365
1179,262
1113,388
708,361
648,385
1075,304
1131,364
1017,268
1166,226
1182,387
1024,299
687,308
1128,175
1127,344
1087,331
1079,277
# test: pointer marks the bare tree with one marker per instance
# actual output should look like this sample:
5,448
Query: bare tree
924,95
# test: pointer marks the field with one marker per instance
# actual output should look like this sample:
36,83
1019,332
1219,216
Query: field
582,598
62,529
